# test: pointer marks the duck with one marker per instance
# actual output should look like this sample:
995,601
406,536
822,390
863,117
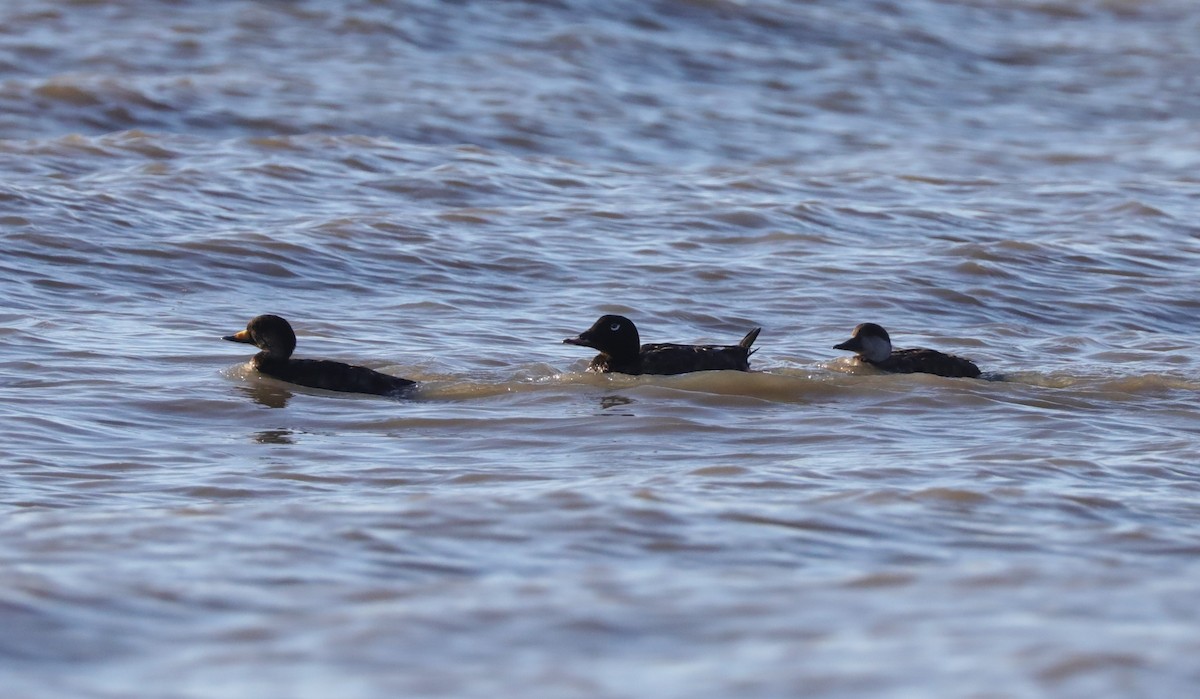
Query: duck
275,337
621,351
874,347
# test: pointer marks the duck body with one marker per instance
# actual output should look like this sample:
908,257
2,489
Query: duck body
274,336
873,346
330,375
927,361
621,351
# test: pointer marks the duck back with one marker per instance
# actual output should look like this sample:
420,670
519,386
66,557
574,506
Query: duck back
332,376
681,359
927,361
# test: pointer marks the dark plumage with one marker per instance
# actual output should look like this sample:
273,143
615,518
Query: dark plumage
274,336
621,351
874,347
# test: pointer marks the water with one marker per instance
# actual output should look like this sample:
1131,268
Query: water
444,191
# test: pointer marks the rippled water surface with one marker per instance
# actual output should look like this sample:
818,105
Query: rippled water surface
444,191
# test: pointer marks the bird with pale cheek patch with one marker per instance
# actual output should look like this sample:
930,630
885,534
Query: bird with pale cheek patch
873,346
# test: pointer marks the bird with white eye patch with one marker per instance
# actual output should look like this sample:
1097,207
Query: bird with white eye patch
621,351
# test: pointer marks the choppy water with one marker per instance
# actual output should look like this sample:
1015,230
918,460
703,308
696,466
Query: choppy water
444,191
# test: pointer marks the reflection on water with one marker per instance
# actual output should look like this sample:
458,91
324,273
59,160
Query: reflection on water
274,437
269,394
615,401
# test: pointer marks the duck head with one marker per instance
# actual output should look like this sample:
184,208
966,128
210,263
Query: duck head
615,336
870,341
269,333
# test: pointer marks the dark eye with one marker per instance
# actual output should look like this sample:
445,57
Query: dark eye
614,327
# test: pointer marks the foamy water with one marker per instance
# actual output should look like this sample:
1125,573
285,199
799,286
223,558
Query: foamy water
444,192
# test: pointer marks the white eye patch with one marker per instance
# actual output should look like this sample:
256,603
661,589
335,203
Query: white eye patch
614,327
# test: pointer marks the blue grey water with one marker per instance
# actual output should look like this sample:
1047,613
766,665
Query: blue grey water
445,190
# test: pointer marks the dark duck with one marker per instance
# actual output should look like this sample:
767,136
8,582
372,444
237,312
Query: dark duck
273,335
621,351
874,347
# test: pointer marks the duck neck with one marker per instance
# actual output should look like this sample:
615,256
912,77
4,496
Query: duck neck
266,361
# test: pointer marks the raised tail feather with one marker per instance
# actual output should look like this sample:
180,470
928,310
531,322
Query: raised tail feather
749,340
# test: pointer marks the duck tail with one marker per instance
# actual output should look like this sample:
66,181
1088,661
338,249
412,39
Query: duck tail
750,338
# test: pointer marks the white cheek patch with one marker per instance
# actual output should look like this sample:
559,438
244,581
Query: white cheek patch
876,348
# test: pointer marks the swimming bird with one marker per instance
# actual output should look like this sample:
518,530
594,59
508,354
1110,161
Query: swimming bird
274,336
874,347
621,351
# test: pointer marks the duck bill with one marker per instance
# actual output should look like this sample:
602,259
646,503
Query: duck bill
582,340
242,336
852,345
